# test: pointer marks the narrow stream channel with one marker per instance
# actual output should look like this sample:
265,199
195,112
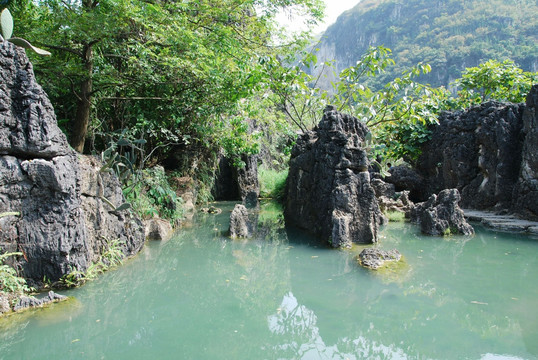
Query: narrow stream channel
201,295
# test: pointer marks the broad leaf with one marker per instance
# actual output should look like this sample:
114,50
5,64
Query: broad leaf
25,44
6,22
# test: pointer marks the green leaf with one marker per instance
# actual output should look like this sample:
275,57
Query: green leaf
123,206
25,44
6,22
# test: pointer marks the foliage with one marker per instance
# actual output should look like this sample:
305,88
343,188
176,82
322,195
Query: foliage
6,30
494,80
151,195
176,72
449,35
272,183
111,257
9,281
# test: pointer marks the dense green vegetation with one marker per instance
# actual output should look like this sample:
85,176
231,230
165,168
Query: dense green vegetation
176,83
450,35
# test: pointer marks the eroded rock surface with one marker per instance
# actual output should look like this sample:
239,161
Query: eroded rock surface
441,215
63,199
525,199
329,190
375,258
478,152
240,225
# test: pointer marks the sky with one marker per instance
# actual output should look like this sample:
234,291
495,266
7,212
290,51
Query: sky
333,8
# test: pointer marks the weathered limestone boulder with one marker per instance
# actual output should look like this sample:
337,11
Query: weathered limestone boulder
63,199
441,215
478,152
375,258
158,229
404,178
328,190
26,302
525,197
233,183
240,225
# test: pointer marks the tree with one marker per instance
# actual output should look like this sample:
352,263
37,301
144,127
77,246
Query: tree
175,70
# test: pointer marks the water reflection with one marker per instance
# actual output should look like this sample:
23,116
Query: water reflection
281,295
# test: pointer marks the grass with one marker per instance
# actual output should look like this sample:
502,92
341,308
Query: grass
272,183
396,216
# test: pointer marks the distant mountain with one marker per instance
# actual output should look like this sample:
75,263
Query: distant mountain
450,35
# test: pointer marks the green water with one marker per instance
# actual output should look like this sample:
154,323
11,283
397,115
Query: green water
201,295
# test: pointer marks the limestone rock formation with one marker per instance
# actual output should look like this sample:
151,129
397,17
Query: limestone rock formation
525,197
26,302
157,229
242,184
66,205
441,215
328,190
478,152
240,225
375,258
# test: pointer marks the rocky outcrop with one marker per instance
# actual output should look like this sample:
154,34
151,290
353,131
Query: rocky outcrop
375,258
328,189
441,215
478,152
525,197
405,178
26,302
240,225
232,183
488,152
67,206
157,229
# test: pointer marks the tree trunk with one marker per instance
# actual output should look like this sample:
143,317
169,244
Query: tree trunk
79,127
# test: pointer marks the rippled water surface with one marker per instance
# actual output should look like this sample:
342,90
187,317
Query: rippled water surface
201,295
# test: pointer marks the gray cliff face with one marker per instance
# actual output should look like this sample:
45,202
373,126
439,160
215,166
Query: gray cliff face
329,191
526,190
64,223
477,151
488,152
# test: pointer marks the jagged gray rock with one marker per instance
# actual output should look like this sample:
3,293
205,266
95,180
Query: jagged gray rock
65,222
525,197
441,215
478,152
233,183
240,225
26,302
328,189
158,229
375,258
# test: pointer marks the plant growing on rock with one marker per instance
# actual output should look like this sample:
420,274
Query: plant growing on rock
9,280
6,27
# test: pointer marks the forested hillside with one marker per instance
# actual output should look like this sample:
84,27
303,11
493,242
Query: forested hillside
450,35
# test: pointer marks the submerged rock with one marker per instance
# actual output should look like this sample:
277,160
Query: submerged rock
441,215
240,225
328,188
26,302
375,258
67,205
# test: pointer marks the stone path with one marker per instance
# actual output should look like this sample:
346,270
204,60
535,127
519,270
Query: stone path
502,222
